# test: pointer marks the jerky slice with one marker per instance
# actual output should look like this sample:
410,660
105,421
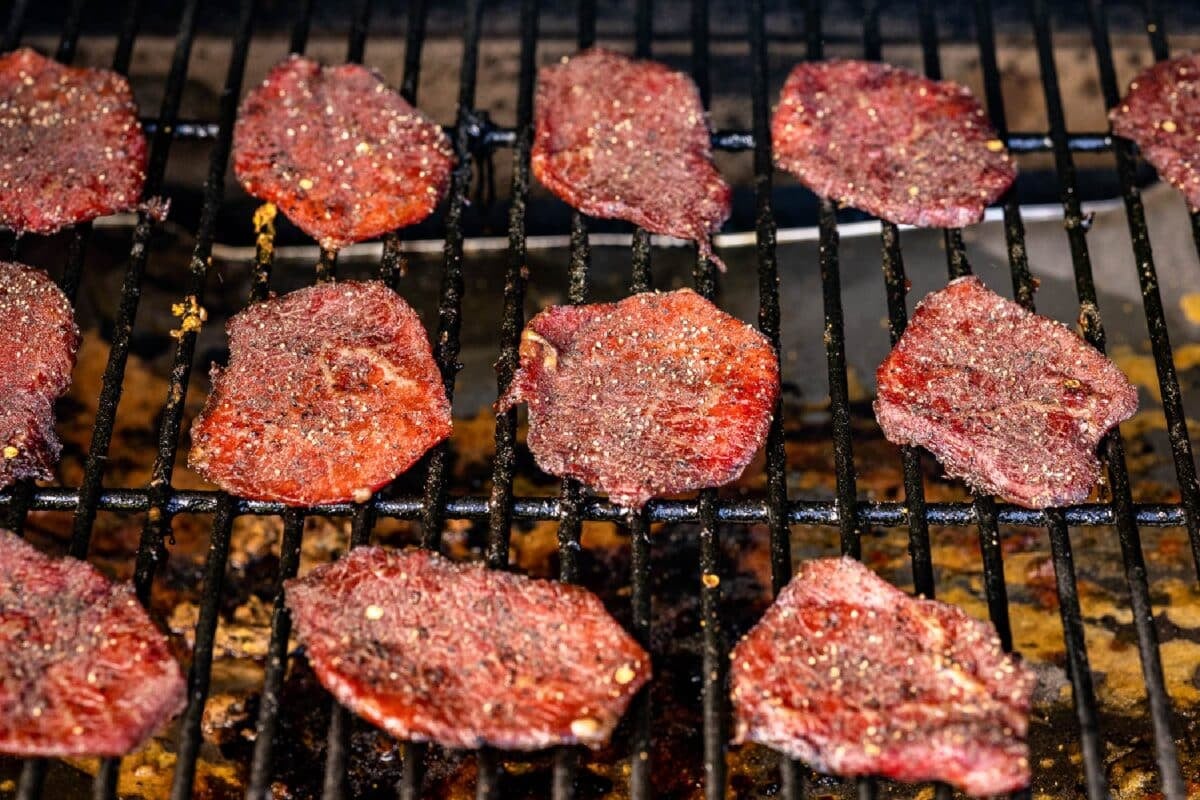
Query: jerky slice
71,146
38,340
83,670
1011,402
627,139
431,650
1161,114
341,154
330,393
657,394
854,677
890,142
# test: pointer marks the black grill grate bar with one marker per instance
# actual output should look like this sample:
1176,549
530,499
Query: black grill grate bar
1156,321
358,31
90,486
1091,744
16,24
414,39
1130,539
70,33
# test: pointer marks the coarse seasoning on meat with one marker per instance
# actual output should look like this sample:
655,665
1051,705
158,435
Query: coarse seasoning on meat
854,677
905,148
341,154
71,146
83,670
1009,401
629,139
658,394
330,393
457,654
1161,114
38,339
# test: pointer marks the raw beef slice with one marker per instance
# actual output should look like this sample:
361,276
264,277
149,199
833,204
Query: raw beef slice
38,339
890,142
330,393
83,670
657,394
1011,402
431,650
71,147
854,677
341,154
629,140
1161,114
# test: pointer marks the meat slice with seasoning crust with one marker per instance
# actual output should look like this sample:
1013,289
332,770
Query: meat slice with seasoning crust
435,651
83,670
345,157
657,394
38,340
1161,114
330,393
1009,401
71,146
627,139
854,677
890,142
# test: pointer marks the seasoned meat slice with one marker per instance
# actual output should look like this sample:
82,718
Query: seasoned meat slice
1161,114
38,339
72,148
83,670
890,142
330,393
432,650
627,139
854,677
657,394
345,157
1009,401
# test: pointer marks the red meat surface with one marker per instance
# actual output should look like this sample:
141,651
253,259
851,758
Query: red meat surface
330,393
657,394
1161,114
71,147
890,142
432,650
854,677
38,339
83,670
629,140
341,154
1009,401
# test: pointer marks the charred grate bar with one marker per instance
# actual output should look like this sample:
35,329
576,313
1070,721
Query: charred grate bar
472,133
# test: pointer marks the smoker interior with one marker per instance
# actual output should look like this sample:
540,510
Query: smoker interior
1112,627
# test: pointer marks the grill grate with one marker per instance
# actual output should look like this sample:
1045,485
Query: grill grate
472,134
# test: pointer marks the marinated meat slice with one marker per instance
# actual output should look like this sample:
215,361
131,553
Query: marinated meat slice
431,650
1011,402
345,157
657,394
890,142
854,677
629,140
72,148
83,670
38,339
1161,114
330,393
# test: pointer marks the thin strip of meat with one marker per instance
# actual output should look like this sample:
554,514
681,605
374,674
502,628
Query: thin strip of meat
629,139
432,650
854,677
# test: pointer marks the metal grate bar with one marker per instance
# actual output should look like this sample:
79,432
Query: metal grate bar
358,31
90,486
958,266
16,24
1156,321
1130,539
1083,694
70,35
